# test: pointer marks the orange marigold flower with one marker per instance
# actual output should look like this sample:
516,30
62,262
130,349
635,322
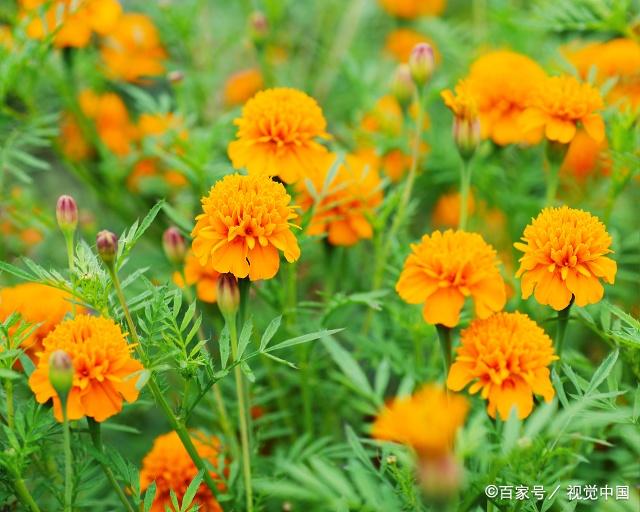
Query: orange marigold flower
38,304
400,42
585,156
245,222
241,86
277,135
103,368
204,277
343,205
168,465
565,254
501,82
410,9
507,357
71,141
558,104
427,421
133,49
446,212
463,103
445,268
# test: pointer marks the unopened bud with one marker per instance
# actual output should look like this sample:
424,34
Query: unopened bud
421,63
107,245
174,245
258,27
466,135
61,373
228,294
402,85
67,213
440,477
175,76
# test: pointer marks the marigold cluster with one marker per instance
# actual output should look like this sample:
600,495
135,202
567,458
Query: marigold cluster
168,465
277,135
410,9
246,220
204,277
506,357
427,421
104,371
565,255
241,86
446,268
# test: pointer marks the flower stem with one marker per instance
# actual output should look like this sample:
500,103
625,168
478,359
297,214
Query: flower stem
68,459
444,335
68,238
563,321
24,495
8,389
465,184
96,438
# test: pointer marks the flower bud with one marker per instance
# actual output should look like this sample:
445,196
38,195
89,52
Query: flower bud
61,373
67,214
258,27
174,245
402,85
228,294
421,63
466,135
440,477
175,77
107,245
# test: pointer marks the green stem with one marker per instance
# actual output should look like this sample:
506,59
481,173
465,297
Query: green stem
8,389
68,459
96,438
444,335
563,321
291,294
68,238
24,495
465,185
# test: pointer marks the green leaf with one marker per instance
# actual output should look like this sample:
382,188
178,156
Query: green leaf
149,496
270,332
603,371
190,493
225,347
305,338
245,337
349,366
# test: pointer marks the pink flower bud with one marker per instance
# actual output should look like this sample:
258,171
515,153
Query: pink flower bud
228,294
175,247
67,213
440,477
175,76
421,63
107,245
403,86
258,27
61,373
466,135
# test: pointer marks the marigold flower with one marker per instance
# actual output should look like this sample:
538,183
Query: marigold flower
401,41
204,277
133,49
245,222
103,368
558,104
427,421
277,135
462,102
565,254
445,268
342,210
446,212
507,357
585,156
168,465
410,9
71,140
241,86
43,306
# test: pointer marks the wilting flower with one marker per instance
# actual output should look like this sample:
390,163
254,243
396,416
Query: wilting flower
401,41
342,206
204,277
501,83
241,86
104,371
427,421
168,465
446,212
565,255
246,220
410,9
71,22
133,50
43,306
585,156
277,135
445,268
507,357
558,104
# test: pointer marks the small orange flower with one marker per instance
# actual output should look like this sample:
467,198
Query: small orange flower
463,103
168,465
103,368
400,42
427,421
585,156
558,104
445,268
71,141
565,254
241,86
205,278
245,222
277,135
410,9
446,212
133,50
344,205
507,357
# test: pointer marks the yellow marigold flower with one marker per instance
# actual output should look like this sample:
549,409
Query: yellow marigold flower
507,357
344,205
40,305
558,104
463,103
277,135
585,156
133,49
103,368
168,465
502,82
445,268
401,41
565,254
410,9
245,222
427,421
446,212
204,277
241,86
